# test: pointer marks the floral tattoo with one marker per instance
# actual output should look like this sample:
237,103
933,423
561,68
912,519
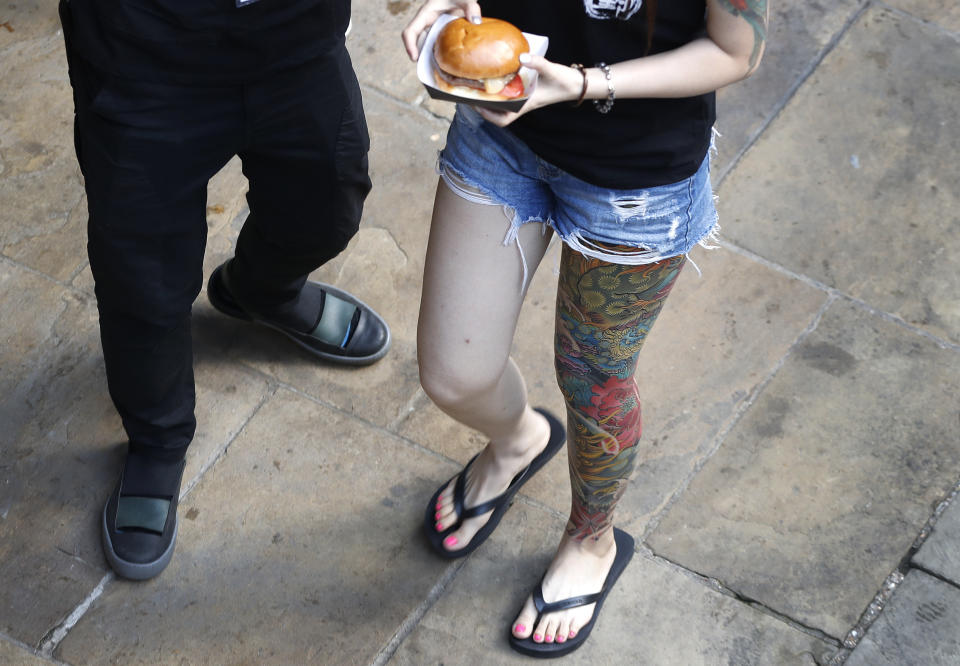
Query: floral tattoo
753,12
604,312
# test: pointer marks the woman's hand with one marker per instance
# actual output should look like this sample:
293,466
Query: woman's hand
416,31
555,83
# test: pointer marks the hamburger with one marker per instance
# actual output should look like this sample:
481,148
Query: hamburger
480,59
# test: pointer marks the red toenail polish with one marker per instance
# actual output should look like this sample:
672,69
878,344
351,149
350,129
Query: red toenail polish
436,516
439,527
519,628
549,639
561,639
537,637
572,634
450,541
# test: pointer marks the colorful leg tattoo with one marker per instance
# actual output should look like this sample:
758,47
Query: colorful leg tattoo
604,312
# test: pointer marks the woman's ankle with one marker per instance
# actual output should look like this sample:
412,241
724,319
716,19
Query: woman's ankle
528,438
600,545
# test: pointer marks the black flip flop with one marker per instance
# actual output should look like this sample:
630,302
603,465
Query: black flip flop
368,337
527,645
499,504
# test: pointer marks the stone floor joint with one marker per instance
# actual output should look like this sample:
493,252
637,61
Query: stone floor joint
720,436
816,284
220,452
4,638
721,588
416,108
933,574
370,424
905,14
55,636
901,322
413,619
792,90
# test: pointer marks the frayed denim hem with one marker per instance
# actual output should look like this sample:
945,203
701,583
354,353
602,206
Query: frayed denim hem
476,193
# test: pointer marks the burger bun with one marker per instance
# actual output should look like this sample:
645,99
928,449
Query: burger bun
482,50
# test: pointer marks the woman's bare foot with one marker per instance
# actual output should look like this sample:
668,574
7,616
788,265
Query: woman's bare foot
578,568
490,475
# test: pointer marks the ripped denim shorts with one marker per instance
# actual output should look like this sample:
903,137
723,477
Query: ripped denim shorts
486,164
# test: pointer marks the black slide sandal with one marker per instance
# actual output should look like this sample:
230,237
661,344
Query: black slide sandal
367,341
138,528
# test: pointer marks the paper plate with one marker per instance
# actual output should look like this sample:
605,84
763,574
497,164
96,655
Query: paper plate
538,46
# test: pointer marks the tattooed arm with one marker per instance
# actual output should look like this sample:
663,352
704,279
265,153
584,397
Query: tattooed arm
725,26
731,51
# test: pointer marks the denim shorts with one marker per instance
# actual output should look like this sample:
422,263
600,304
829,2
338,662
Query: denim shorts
487,164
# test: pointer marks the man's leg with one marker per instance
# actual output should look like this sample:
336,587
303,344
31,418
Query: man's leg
146,154
306,160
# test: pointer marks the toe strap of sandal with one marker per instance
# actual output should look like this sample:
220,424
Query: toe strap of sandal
142,513
458,495
573,602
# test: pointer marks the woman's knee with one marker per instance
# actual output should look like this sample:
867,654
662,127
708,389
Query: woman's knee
451,386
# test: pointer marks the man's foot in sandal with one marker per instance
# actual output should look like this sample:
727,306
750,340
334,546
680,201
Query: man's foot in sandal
139,520
465,511
339,327
560,613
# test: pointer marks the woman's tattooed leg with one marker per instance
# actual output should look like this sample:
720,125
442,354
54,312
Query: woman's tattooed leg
604,312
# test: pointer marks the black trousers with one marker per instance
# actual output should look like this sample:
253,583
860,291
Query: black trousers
147,152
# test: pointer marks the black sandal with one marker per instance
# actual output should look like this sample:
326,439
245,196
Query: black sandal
139,529
364,336
498,505
546,650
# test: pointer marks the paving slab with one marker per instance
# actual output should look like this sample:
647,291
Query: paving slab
40,183
716,340
850,186
14,655
920,625
798,34
26,20
380,58
383,266
940,553
63,444
377,51
301,545
943,13
820,489
656,615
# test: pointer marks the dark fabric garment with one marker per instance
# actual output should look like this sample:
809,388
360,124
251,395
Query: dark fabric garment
205,41
147,151
640,142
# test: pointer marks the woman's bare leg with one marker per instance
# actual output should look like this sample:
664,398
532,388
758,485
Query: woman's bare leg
472,292
604,312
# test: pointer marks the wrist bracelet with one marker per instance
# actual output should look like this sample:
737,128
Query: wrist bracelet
583,91
607,104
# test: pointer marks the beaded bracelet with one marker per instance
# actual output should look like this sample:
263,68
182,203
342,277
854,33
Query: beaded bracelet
607,104
583,91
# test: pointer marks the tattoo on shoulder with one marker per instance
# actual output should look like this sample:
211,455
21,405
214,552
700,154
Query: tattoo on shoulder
753,12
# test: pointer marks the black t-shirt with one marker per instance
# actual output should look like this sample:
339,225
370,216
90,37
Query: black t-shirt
640,142
204,41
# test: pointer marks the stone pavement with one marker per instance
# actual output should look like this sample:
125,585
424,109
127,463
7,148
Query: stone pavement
793,506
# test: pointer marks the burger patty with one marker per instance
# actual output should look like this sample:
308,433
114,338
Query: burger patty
493,85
